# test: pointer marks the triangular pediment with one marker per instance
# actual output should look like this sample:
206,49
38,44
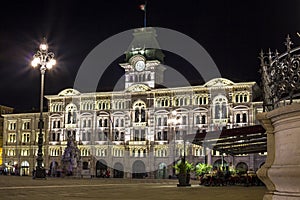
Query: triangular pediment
138,88
69,92
218,82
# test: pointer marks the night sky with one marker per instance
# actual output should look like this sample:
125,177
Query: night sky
232,31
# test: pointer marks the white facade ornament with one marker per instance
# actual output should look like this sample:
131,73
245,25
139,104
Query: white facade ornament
69,92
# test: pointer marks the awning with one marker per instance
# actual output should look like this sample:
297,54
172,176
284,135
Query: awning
243,140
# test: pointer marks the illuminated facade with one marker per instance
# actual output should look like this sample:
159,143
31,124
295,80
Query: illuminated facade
129,132
3,110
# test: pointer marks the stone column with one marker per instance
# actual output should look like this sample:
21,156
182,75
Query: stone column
281,171
209,157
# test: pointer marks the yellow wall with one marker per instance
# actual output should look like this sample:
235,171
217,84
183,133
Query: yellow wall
0,155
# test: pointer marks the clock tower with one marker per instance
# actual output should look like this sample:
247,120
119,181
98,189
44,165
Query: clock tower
143,61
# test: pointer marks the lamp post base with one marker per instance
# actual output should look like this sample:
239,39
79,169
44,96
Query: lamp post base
40,173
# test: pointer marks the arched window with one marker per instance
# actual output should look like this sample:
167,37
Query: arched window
71,110
159,135
238,118
181,102
83,136
244,118
203,119
197,119
139,111
245,98
143,115
53,136
220,108
58,137
122,136
196,100
159,121
162,103
184,122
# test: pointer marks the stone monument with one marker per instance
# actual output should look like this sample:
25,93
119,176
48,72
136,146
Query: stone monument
71,159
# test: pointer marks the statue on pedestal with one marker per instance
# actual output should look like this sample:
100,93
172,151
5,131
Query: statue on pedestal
71,159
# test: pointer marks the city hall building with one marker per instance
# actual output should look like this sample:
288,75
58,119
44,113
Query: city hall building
136,132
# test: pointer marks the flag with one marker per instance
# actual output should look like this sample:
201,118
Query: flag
143,7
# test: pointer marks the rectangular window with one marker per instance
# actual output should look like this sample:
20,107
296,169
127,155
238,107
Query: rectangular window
12,126
26,125
165,135
11,137
122,136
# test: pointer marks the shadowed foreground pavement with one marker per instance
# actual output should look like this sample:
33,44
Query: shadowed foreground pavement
14,187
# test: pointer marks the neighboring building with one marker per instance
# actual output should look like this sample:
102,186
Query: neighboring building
20,142
3,110
131,132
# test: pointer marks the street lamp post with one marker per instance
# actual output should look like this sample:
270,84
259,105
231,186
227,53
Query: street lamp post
45,60
173,121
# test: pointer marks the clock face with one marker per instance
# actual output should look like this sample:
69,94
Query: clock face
139,65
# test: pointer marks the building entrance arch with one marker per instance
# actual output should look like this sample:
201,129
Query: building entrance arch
219,163
24,168
101,168
138,169
242,167
162,171
53,168
118,170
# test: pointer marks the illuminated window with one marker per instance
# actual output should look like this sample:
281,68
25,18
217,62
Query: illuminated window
25,137
12,126
101,152
25,152
220,107
139,108
71,111
26,126
11,137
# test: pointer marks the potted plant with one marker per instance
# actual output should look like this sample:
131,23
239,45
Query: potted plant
201,169
183,169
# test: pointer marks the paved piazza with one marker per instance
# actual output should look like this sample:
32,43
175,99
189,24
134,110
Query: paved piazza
13,187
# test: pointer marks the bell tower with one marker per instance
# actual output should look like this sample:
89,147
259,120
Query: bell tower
143,61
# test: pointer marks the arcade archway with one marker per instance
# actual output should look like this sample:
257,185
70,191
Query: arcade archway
101,168
220,163
138,169
25,168
242,167
118,170
162,171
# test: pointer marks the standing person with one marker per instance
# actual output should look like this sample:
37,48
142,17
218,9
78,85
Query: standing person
107,173
33,173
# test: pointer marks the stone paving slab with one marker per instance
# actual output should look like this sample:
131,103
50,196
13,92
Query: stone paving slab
23,188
